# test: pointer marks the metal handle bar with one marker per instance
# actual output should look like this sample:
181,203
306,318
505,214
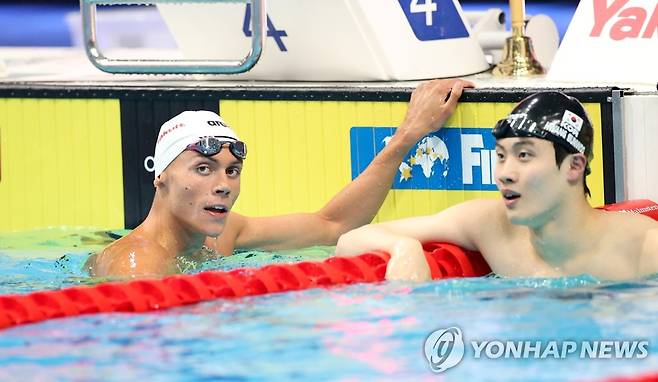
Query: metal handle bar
164,66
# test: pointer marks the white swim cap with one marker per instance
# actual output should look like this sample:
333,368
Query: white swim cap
185,129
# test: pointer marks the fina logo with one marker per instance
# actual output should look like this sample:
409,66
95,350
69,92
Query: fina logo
460,159
444,349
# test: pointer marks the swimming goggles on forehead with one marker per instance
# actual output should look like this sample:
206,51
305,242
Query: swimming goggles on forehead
209,146
518,125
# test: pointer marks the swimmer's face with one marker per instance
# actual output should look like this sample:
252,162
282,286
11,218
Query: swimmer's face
530,182
201,190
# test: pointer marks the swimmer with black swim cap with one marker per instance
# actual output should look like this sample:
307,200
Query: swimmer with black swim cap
555,117
543,225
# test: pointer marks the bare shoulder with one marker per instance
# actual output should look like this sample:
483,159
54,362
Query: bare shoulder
635,235
132,256
632,226
639,219
479,221
484,214
235,222
226,242
648,263
479,208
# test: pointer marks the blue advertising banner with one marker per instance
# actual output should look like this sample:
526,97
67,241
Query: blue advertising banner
450,159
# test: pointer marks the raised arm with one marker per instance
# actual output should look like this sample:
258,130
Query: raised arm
431,104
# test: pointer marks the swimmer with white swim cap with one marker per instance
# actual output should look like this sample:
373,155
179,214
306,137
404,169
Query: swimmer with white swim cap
543,224
198,163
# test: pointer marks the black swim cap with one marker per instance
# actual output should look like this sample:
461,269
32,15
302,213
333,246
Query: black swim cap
553,116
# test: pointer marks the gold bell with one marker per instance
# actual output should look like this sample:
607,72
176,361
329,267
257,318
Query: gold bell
518,55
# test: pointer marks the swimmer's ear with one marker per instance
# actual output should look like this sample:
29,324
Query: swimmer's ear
157,181
577,166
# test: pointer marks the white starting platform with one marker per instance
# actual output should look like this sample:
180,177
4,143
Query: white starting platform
339,40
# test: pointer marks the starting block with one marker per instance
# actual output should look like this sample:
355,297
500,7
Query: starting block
338,40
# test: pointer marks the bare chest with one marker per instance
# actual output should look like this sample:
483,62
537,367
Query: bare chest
604,259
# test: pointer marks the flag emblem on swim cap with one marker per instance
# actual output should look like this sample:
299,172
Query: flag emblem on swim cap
552,116
572,122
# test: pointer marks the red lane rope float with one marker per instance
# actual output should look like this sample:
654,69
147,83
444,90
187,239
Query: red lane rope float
639,378
144,295
445,261
639,206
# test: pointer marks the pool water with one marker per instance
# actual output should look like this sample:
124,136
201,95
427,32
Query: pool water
352,333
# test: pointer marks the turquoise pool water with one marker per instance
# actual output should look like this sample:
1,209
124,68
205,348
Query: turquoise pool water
353,333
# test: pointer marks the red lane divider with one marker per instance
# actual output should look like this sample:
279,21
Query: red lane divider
445,261
640,206
638,378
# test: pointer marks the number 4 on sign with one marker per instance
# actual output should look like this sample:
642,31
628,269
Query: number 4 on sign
428,7
276,34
